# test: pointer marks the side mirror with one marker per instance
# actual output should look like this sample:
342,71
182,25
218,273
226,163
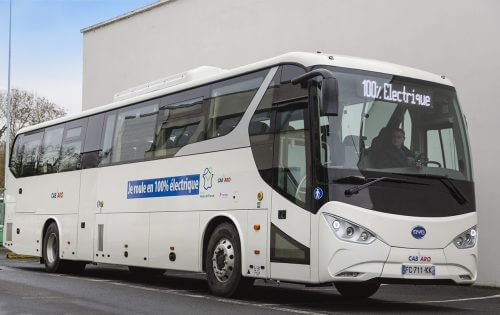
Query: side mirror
329,90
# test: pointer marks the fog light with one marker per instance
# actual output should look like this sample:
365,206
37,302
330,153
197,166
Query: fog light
349,231
465,277
363,236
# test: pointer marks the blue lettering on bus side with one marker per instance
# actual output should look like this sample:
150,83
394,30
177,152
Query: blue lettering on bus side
164,187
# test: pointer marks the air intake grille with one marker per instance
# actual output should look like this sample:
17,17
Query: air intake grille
8,233
100,241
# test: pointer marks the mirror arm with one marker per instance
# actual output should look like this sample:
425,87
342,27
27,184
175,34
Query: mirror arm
311,74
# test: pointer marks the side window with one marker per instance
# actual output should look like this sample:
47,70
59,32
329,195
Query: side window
16,157
74,133
181,121
50,151
291,137
29,154
93,136
107,139
229,101
261,132
441,148
134,134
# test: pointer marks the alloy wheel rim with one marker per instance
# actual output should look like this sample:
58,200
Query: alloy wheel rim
223,260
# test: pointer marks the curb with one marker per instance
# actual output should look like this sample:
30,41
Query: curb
12,255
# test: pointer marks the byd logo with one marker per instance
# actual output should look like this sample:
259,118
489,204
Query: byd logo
418,232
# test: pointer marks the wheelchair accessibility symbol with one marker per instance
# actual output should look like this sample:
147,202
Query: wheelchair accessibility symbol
318,193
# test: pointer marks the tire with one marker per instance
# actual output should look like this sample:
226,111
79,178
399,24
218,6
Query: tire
143,272
223,262
50,252
359,291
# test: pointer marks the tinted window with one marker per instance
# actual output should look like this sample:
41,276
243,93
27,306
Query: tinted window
107,141
17,156
29,153
135,130
261,130
179,123
229,100
49,155
94,132
72,145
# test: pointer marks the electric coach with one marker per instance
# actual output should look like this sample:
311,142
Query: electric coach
308,168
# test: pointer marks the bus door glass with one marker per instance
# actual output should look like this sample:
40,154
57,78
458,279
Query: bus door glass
290,219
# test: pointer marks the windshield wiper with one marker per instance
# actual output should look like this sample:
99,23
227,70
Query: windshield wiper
448,183
370,181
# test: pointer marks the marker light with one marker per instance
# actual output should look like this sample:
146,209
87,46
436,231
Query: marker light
348,231
466,239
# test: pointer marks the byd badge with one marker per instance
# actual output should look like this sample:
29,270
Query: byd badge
418,232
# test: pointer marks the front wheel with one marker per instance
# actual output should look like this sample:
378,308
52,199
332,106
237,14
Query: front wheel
223,262
353,290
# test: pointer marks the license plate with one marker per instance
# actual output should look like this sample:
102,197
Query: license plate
418,270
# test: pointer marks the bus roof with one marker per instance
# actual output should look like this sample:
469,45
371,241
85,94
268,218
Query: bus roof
305,59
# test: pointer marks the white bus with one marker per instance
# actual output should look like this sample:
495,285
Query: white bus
307,168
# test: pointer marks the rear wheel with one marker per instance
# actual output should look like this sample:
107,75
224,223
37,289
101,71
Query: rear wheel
50,252
144,272
223,262
353,290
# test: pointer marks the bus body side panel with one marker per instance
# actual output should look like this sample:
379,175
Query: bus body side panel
138,206
86,214
175,233
123,238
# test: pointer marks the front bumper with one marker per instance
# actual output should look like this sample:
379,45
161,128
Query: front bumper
346,261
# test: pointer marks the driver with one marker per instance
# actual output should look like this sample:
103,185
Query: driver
395,154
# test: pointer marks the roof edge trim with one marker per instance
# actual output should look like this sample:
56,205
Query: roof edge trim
125,15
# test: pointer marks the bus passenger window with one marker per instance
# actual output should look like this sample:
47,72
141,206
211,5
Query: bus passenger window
134,133
15,163
179,124
30,153
107,143
49,155
70,156
229,101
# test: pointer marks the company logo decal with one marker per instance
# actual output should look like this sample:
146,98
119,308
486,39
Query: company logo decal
207,178
415,258
418,232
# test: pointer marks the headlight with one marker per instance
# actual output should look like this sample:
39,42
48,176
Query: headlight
467,239
348,231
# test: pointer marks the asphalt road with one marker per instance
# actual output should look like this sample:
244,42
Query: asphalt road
25,288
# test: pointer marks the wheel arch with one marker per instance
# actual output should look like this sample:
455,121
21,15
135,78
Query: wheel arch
215,221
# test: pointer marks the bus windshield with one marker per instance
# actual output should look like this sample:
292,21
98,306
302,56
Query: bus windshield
395,125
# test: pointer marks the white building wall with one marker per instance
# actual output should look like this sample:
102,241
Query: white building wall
458,38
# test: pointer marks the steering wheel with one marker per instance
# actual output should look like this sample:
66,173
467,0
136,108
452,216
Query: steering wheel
422,160
301,191
432,162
